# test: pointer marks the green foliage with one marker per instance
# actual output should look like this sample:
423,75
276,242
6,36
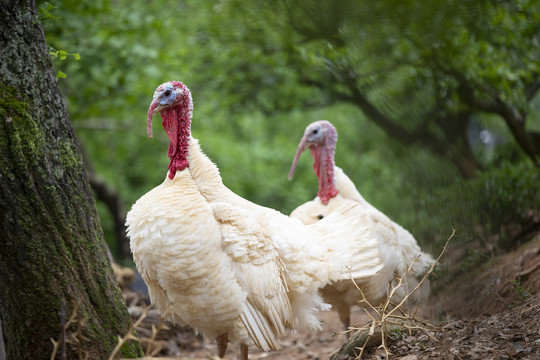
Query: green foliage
261,71
62,54
522,292
397,334
45,17
45,12
396,49
500,206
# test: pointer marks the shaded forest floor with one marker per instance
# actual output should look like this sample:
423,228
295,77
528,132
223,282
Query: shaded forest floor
493,313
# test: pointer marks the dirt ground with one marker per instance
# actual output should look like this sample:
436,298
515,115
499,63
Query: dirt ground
493,313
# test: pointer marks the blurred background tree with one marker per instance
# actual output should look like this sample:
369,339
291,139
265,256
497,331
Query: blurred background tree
435,102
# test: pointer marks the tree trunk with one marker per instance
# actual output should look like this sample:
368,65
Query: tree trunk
456,146
117,209
51,247
516,123
110,197
466,165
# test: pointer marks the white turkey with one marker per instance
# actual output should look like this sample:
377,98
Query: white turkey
231,269
397,246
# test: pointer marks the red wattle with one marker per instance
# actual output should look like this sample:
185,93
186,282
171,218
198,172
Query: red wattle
323,165
177,124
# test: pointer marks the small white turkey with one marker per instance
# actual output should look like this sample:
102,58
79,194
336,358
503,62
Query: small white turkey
397,246
231,269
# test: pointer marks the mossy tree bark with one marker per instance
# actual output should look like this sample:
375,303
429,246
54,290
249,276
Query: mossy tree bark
52,248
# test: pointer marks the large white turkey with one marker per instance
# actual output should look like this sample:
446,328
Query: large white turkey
396,245
231,269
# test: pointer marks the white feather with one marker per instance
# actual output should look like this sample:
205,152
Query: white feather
222,264
397,248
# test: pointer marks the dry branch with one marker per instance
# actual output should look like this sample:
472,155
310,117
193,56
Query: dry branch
76,337
384,317
130,334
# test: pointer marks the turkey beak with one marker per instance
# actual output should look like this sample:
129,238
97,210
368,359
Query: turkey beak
301,147
154,108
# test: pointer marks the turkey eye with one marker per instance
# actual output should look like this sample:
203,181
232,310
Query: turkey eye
315,131
320,217
167,93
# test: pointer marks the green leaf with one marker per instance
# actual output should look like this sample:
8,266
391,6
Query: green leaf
45,12
76,56
50,6
47,15
61,75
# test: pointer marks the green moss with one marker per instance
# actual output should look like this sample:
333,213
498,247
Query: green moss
11,100
21,133
70,157
131,349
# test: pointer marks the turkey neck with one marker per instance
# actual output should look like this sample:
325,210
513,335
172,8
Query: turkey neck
177,124
323,165
205,173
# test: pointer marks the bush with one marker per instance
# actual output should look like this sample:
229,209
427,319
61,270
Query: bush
498,210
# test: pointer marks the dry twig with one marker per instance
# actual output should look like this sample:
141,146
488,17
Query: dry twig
130,334
76,337
152,345
161,326
389,314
